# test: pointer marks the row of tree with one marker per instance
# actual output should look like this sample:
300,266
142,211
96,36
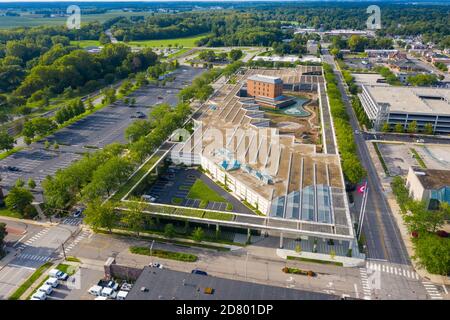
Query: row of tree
351,166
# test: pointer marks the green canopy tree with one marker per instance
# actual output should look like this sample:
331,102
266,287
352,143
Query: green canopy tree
101,216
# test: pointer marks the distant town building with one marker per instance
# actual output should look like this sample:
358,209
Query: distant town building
406,104
429,185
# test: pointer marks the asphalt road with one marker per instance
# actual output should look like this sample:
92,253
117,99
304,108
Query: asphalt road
94,131
382,235
28,251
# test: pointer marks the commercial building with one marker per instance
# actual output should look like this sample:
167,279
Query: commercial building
429,185
264,86
402,105
312,47
289,182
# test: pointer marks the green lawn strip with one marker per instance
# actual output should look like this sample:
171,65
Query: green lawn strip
158,236
418,158
218,215
66,268
5,154
29,282
340,264
134,179
86,43
178,53
37,287
73,259
176,200
164,254
383,164
10,213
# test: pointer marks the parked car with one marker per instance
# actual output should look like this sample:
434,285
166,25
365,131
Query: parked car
101,298
47,289
156,265
113,285
109,293
148,198
95,290
55,273
122,295
78,212
139,115
126,287
54,282
39,295
420,141
12,168
200,272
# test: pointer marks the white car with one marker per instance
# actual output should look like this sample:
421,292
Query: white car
109,293
122,295
95,290
55,273
47,289
39,295
54,282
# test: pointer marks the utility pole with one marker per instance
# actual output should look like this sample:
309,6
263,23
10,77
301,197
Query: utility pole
64,251
362,212
151,251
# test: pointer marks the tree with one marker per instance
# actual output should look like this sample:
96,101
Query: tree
18,199
46,145
386,127
169,230
19,183
412,127
3,234
433,253
429,128
235,54
198,234
137,129
6,141
101,216
399,128
134,218
422,220
31,183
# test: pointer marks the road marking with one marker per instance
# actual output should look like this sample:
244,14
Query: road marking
356,291
17,242
445,289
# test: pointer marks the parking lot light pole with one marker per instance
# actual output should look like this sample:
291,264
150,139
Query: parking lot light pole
151,250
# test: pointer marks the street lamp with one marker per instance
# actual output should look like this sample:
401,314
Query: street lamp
151,251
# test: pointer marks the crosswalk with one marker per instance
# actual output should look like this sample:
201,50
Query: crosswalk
30,241
365,284
84,234
394,270
72,221
432,291
34,257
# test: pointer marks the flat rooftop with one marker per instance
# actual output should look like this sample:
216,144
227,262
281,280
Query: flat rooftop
433,179
165,284
369,79
266,79
413,100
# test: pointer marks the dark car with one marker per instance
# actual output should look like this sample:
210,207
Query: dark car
200,272
11,168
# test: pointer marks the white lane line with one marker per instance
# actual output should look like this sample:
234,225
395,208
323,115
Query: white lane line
17,242
356,291
445,289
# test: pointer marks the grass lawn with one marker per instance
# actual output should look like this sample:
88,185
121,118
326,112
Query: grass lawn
164,254
336,263
218,216
86,43
70,270
21,290
185,42
201,191
9,213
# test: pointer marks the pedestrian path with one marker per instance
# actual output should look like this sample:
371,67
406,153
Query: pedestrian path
34,257
432,291
84,234
30,241
365,284
72,221
394,270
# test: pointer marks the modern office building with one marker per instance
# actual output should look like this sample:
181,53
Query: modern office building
402,105
429,185
264,86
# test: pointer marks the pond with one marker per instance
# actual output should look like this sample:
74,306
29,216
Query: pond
297,109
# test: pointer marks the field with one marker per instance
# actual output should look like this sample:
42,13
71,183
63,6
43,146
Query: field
27,20
185,42
86,43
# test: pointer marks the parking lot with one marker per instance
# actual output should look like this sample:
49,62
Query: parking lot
176,183
399,157
94,131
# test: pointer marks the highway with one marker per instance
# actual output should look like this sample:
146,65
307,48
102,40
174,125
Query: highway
380,230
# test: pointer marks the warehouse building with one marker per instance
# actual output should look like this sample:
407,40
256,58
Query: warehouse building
402,105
